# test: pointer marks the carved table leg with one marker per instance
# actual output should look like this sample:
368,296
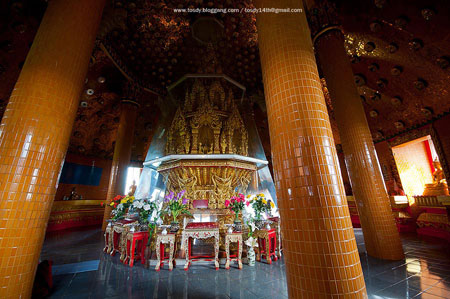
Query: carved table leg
122,245
127,252
268,249
111,241
158,254
133,244
109,245
275,257
279,240
216,251
106,241
240,254
258,256
171,255
227,252
188,253
114,242
174,262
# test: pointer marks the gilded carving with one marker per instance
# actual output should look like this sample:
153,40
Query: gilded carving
222,191
212,180
208,122
236,133
178,139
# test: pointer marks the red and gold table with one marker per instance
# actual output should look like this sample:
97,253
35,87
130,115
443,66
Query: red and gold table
200,230
267,242
277,227
160,241
135,242
237,238
117,237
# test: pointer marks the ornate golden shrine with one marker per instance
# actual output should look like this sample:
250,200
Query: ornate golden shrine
207,123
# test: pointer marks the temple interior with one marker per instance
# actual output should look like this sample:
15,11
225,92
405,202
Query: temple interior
224,149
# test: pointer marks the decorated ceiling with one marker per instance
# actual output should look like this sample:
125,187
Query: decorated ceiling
399,52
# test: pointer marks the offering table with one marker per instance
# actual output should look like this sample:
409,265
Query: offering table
135,241
237,238
117,237
267,241
200,230
162,239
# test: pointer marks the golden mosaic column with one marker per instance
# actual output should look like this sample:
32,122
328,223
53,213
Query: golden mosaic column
322,259
35,132
122,154
381,237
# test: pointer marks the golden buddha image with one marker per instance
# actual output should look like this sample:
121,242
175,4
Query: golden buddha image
439,185
132,188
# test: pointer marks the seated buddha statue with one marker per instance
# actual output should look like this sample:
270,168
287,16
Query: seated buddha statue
74,195
132,189
439,185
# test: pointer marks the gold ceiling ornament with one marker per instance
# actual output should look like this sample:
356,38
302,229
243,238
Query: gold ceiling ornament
208,122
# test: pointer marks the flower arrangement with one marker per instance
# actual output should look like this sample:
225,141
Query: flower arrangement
120,205
250,222
145,208
251,242
269,206
236,204
261,205
176,205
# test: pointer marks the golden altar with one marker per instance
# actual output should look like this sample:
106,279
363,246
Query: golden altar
206,151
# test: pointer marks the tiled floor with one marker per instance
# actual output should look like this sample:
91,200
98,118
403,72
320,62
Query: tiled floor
425,273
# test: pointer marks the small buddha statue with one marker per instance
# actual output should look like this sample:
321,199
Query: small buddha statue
132,188
74,195
438,174
439,185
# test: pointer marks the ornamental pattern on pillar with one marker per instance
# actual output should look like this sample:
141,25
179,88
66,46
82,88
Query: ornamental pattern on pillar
380,232
322,259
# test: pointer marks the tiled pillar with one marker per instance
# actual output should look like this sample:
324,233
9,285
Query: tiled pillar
122,154
34,135
322,259
380,231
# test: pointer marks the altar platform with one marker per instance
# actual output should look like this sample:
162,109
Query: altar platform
75,213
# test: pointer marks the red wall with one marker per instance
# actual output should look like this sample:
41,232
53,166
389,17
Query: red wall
87,192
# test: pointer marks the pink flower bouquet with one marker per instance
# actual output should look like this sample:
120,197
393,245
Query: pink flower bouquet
236,204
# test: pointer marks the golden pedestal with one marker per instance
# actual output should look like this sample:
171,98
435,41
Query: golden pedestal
209,182
436,189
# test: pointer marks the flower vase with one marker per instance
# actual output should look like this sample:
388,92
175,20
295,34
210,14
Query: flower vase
259,223
237,224
174,227
143,227
251,256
